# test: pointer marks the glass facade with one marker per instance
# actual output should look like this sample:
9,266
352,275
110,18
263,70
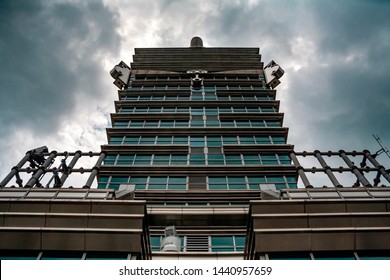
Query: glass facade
194,138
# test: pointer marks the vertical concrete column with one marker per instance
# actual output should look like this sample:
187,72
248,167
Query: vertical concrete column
381,169
300,170
328,172
95,170
70,166
34,179
15,169
355,170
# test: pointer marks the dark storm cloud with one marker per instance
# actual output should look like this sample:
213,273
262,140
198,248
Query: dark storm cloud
351,93
49,56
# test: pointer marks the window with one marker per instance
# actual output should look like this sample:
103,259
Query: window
115,140
197,141
215,159
164,140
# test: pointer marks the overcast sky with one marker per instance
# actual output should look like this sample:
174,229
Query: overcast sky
55,58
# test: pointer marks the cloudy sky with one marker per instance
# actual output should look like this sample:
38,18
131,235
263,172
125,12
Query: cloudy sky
55,87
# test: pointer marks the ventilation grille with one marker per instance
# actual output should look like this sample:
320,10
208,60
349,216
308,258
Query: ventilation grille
197,182
197,244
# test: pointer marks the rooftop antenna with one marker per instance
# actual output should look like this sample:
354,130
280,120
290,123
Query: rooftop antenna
382,149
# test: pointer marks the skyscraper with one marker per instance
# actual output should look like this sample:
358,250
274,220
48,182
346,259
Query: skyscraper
197,165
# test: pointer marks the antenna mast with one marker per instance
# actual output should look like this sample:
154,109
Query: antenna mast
382,149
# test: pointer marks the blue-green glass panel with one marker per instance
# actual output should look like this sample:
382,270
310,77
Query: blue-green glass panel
210,97
275,179
257,123
269,159
290,179
139,182
157,187
116,140
225,109
230,140
179,159
169,109
227,123
167,123
158,180
161,159
125,160
141,109
278,140
222,242
177,180
254,186
217,183
273,124
280,186
121,124
236,183
268,110
180,140
233,159
240,241
182,110
197,111
212,123
155,243
131,140
251,159
110,159
197,123
119,179
142,159
256,180
151,123
146,140
215,159
136,123
211,111
197,141
164,140
214,141
284,159
242,123
263,140
237,186
176,186
253,110
292,185
247,140
197,159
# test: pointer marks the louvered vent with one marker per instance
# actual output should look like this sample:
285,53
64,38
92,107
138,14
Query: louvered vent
214,150
197,244
197,182
197,150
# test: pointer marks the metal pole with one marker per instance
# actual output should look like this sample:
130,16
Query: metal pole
15,169
381,169
34,179
327,168
70,166
355,170
95,170
300,170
